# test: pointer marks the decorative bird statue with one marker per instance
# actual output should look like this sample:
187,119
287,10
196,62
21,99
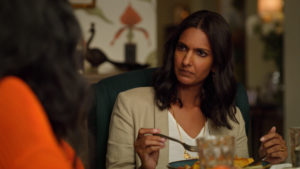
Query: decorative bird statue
96,56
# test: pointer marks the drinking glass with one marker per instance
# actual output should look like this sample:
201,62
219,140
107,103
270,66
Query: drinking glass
295,145
215,151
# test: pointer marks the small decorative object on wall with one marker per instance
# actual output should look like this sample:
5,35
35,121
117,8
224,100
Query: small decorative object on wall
130,18
94,56
83,3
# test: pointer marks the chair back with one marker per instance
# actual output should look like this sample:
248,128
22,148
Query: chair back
106,92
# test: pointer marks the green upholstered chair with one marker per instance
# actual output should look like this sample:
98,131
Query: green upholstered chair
106,92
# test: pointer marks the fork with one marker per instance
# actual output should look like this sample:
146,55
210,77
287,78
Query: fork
185,146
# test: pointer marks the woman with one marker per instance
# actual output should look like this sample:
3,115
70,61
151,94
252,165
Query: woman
42,95
192,96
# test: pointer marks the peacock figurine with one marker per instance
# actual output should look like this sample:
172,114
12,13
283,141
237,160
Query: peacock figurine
96,56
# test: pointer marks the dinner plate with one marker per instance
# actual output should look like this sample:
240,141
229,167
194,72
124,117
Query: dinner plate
182,163
259,165
282,166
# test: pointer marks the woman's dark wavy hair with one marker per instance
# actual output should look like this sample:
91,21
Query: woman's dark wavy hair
219,88
38,40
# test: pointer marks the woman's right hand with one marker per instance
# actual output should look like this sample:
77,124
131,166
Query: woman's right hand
147,146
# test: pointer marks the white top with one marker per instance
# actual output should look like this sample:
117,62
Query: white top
176,151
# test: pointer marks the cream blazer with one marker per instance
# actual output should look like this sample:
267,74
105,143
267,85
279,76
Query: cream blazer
135,109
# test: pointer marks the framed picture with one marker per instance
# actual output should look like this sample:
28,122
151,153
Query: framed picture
83,3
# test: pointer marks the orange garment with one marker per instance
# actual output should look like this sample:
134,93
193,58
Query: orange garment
26,138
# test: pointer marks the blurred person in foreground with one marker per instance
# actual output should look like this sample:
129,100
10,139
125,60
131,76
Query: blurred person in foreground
192,96
42,96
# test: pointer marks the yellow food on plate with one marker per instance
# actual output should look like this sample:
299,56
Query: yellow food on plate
221,167
242,162
238,163
195,166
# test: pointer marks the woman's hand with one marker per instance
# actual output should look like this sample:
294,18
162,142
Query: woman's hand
273,148
147,146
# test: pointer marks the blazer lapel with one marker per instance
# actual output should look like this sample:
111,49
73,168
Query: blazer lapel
161,122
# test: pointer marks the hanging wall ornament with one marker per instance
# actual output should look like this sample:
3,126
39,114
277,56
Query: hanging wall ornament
130,18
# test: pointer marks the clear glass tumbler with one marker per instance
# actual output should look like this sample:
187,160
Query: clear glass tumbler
215,151
295,145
